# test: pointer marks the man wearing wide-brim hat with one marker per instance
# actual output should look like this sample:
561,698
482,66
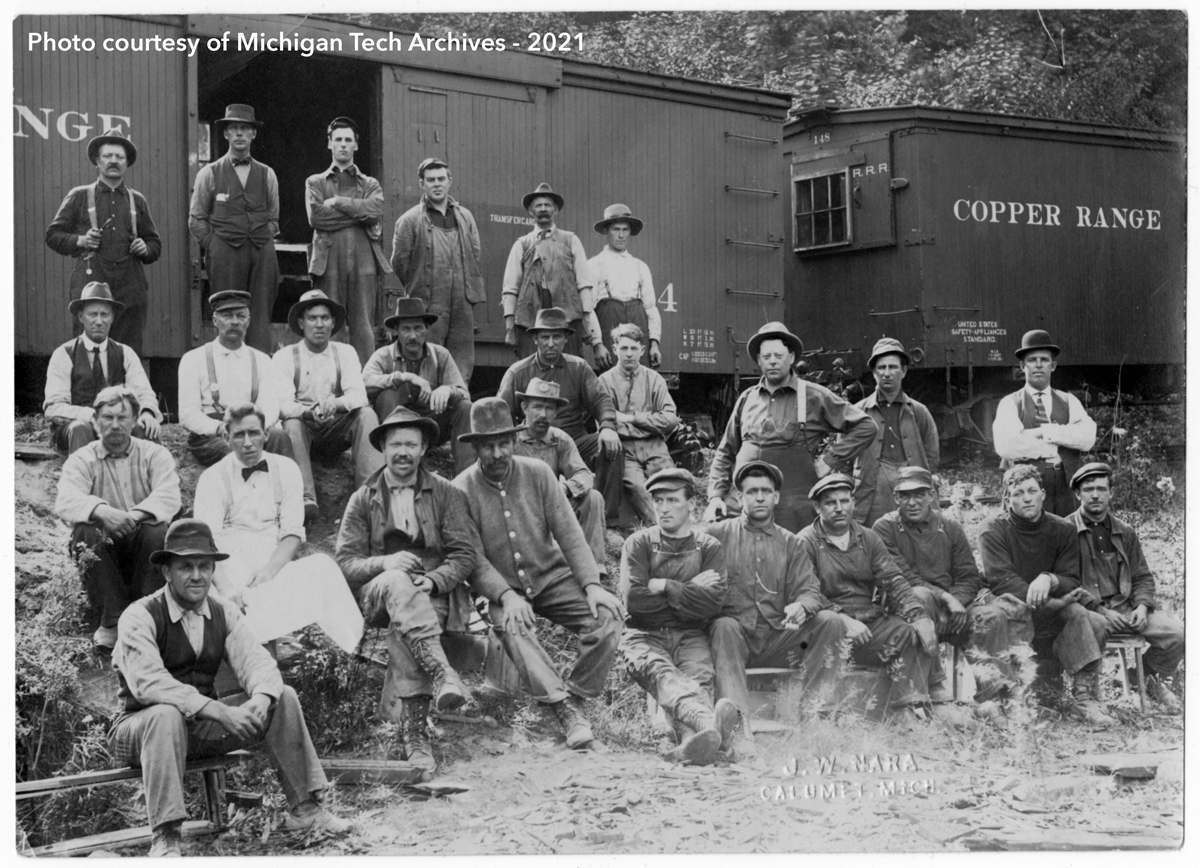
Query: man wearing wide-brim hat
908,436
407,548
234,216
84,366
324,407
345,259
536,561
784,419
423,376
169,647
107,226
623,291
546,268
1042,426
436,253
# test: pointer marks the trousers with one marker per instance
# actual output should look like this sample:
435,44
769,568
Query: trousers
454,329
208,449
126,278
609,473
1165,634
351,278
643,458
454,420
118,571
346,430
589,510
249,269
895,645
881,501
670,664
1075,635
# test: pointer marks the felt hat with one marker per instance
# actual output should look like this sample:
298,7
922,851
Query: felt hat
774,472
238,113
827,483
1036,339
550,319
112,137
543,189
543,390
228,298
337,122
617,214
431,163
913,478
490,417
671,479
186,538
888,347
774,330
1094,468
402,417
310,299
409,308
95,291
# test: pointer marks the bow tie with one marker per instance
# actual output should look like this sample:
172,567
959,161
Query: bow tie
247,471
244,161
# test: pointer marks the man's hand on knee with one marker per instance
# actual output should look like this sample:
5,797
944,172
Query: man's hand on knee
598,598
236,721
518,614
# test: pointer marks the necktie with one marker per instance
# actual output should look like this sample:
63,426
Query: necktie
544,234
244,161
1040,408
97,370
247,471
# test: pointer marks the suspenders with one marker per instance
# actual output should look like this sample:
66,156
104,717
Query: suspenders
91,199
337,361
212,378
276,488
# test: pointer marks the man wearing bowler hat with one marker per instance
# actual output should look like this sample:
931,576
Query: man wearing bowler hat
534,560
86,365
547,268
436,253
346,258
423,376
623,290
169,647
107,226
783,420
407,548
235,217
324,404
907,435
1042,426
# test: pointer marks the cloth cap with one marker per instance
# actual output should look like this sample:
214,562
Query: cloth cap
490,418
888,347
341,122
95,291
1036,339
617,214
185,538
543,189
402,417
409,308
833,480
228,298
112,137
671,479
774,330
1094,468
238,113
544,390
430,163
310,299
774,472
912,478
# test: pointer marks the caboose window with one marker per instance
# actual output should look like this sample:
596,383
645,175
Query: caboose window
821,212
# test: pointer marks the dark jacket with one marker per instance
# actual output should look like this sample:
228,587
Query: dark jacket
1135,579
412,251
918,433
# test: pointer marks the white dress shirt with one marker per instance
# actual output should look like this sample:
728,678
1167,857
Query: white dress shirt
1014,442
624,277
318,375
58,406
233,371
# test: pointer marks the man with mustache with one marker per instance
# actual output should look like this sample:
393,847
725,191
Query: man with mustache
325,409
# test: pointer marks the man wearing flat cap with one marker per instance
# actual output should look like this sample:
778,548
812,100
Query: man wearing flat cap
547,268
436,253
907,435
324,404
169,647
783,420
533,561
235,217
225,372
86,365
423,376
673,582
1119,582
1042,426
107,226
345,259
623,290
407,548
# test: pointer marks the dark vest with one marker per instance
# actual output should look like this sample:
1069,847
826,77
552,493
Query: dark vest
243,214
83,388
1060,414
176,651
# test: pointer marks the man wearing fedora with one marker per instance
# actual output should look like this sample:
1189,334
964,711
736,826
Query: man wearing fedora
235,216
436,253
324,405
346,258
548,268
225,372
423,376
907,435
623,290
86,365
783,420
170,645
1115,574
107,226
1042,426
407,548
534,560
118,493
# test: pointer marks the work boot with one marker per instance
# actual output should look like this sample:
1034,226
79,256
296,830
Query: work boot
1084,706
309,816
1157,689
574,722
431,659
166,840
414,733
701,738
725,714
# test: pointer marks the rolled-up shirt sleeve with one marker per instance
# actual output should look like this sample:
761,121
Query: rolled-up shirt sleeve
58,406
255,669
138,660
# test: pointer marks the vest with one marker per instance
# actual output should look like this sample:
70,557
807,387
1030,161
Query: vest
83,389
1060,414
243,214
547,278
176,651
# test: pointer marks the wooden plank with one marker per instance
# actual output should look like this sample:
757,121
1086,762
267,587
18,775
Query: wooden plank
1128,765
351,772
32,789
34,452
121,838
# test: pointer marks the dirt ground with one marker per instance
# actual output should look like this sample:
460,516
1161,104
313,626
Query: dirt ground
897,786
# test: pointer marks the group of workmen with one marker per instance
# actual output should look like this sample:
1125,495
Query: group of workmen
823,547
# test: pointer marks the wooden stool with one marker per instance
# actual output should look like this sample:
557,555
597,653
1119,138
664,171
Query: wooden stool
1137,644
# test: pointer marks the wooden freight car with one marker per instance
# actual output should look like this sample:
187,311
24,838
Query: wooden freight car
697,161
958,231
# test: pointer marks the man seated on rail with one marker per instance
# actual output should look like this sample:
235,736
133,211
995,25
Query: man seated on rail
324,405
169,646
84,366
224,372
